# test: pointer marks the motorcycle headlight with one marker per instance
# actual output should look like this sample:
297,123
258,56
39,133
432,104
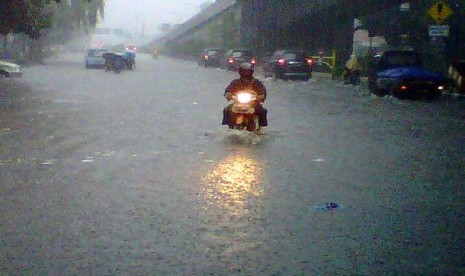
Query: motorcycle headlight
244,97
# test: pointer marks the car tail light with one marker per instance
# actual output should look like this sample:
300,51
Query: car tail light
403,88
309,61
231,60
206,57
281,61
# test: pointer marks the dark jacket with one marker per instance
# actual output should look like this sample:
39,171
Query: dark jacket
243,84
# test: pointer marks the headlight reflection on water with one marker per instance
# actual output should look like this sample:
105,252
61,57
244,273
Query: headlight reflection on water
233,184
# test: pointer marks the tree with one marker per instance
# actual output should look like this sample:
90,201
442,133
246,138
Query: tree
74,15
24,16
32,16
55,19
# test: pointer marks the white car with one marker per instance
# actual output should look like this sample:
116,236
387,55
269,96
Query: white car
10,69
94,58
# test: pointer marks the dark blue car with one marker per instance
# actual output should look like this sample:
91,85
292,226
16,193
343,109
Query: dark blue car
401,74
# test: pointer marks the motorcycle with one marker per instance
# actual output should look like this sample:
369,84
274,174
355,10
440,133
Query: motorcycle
243,115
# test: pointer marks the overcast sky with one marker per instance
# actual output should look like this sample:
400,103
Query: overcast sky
135,14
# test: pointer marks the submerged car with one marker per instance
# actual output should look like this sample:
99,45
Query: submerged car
286,64
94,58
400,73
211,57
234,57
10,69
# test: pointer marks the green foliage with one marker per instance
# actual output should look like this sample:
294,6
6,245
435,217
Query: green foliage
32,16
24,16
44,22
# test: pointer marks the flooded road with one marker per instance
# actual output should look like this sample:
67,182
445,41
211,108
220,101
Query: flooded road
132,173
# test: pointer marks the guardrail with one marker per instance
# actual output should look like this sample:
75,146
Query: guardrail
329,61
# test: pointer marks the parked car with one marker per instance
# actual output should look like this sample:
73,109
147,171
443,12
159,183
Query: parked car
94,58
234,57
10,69
401,73
130,47
211,57
225,59
285,64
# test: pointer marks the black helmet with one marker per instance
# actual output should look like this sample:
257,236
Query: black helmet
246,69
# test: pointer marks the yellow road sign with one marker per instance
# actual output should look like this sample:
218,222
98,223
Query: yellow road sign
440,12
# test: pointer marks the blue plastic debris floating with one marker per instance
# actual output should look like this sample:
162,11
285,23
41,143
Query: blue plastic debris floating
328,206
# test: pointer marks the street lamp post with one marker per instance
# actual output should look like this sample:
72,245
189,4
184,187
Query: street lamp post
404,33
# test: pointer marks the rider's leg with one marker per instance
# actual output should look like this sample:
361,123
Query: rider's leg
227,116
262,115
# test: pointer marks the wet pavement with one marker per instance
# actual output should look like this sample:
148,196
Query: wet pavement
131,173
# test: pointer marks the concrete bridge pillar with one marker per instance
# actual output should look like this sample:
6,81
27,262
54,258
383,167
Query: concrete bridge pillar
268,25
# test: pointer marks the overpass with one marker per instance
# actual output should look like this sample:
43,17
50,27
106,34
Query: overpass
217,25
267,25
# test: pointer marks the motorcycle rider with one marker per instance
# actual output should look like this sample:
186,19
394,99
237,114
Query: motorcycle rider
246,82
131,58
352,70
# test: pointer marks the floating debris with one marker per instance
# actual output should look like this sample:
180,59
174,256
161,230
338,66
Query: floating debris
108,153
327,206
61,101
318,160
87,161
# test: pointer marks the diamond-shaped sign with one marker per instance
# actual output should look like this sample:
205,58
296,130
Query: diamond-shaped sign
440,12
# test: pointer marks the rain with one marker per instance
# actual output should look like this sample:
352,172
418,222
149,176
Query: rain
115,158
